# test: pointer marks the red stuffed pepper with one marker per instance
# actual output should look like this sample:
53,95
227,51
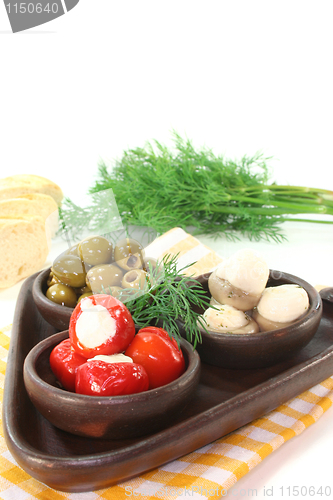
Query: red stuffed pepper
105,376
100,324
160,355
64,362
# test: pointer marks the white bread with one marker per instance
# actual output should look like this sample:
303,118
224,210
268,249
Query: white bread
17,185
33,204
24,247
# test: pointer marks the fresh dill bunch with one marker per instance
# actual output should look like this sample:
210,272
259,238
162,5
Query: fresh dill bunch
204,193
170,298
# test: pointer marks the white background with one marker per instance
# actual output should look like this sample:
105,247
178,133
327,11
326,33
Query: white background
236,76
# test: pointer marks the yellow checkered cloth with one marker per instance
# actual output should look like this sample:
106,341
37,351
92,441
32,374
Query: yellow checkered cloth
206,473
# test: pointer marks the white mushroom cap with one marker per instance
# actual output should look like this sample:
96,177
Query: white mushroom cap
283,303
225,318
246,270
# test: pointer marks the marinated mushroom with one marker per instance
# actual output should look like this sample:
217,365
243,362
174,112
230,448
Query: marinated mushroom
240,280
225,293
280,306
227,319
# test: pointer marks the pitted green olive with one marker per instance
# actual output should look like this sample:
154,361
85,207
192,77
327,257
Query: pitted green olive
128,254
126,247
62,294
95,250
69,270
137,278
124,295
100,278
155,270
149,265
115,291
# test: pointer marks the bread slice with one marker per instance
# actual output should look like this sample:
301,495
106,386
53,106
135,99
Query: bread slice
24,247
33,204
17,185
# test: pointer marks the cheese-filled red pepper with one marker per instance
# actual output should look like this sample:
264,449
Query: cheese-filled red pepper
160,355
114,375
100,324
64,362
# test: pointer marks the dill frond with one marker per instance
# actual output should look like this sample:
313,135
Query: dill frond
203,193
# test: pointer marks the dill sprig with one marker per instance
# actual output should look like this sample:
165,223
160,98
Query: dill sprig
101,216
205,194
172,298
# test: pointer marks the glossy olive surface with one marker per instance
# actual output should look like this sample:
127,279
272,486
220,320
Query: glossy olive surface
95,250
100,278
62,294
72,250
70,270
97,265
128,254
136,278
83,296
55,314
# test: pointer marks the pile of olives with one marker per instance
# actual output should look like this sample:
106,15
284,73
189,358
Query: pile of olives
95,265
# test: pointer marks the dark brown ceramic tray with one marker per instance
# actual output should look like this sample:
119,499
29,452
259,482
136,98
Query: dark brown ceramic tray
225,400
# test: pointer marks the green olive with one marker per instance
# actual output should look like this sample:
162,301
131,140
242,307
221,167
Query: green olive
83,289
149,265
83,296
72,250
155,270
128,254
52,280
100,278
69,270
119,293
95,250
115,291
137,279
62,294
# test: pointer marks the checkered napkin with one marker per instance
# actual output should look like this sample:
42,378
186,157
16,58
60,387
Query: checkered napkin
206,473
